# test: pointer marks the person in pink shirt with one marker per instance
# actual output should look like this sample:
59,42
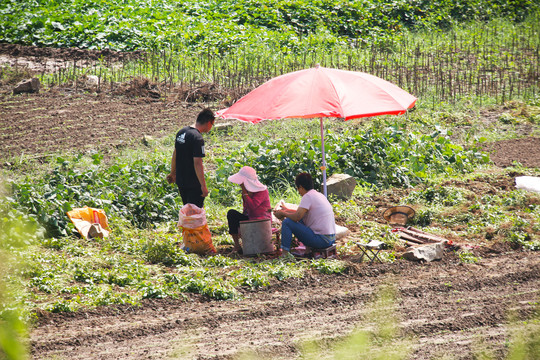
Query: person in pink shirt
256,202
312,223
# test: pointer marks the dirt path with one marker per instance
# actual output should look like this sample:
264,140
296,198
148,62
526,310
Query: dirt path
446,307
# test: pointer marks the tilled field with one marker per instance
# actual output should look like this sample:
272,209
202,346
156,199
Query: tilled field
443,308
34,125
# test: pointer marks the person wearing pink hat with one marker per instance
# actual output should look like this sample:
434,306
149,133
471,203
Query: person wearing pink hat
255,199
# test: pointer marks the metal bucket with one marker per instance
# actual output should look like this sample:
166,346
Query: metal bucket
256,236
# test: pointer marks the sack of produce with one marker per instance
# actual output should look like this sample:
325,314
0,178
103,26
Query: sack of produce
196,235
191,216
198,240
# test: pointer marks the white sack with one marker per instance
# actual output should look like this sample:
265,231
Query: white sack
530,183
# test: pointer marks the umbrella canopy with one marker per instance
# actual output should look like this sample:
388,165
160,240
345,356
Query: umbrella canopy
320,92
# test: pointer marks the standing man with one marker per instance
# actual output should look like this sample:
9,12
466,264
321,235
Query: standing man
187,168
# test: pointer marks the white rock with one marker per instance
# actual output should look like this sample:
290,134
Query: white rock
147,139
222,127
92,80
425,252
341,232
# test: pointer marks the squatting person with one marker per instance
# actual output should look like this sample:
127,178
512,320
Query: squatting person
255,200
312,223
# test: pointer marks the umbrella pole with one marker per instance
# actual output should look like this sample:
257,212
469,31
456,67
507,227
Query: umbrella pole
323,167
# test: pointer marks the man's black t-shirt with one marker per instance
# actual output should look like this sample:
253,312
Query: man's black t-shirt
189,144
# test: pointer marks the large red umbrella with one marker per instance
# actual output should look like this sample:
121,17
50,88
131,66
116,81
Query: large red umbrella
320,92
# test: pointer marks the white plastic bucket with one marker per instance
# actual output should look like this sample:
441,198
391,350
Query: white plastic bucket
256,236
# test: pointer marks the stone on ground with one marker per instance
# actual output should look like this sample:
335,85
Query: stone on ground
341,186
27,86
427,253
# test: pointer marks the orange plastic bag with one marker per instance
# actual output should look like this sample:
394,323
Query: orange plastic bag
89,222
198,240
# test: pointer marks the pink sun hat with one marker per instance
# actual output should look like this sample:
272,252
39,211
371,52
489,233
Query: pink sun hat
248,177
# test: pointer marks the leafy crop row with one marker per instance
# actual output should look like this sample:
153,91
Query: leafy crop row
219,26
80,273
138,192
392,156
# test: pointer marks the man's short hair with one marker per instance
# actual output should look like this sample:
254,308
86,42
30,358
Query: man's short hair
304,180
205,116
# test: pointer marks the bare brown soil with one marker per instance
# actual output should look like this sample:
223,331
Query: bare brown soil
35,125
525,151
445,307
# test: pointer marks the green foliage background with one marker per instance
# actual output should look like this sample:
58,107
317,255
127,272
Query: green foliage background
137,190
219,27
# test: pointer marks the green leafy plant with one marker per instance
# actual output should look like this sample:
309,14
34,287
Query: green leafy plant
249,277
136,191
329,266
225,25
387,157
467,257
16,236
440,195
166,252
